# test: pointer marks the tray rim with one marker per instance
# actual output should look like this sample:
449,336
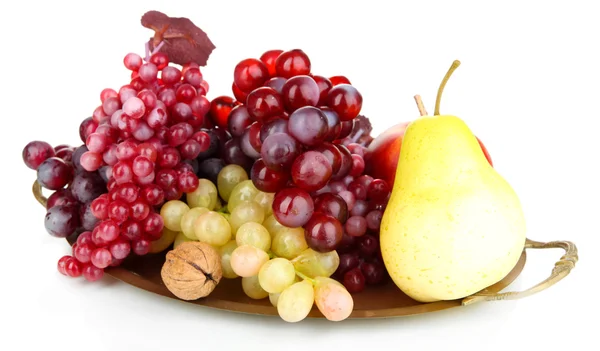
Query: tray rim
131,278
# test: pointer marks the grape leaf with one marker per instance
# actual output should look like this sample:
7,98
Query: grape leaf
181,39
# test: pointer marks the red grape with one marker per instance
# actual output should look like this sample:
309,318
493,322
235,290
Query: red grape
292,63
250,74
269,58
36,152
279,151
308,125
345,100
266,179
354,280
293,207
323,232
311,171
264,102
300,91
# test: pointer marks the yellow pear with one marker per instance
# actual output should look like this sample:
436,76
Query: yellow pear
453,225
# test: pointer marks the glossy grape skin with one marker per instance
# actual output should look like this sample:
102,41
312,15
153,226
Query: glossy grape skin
374,272
252,288
246,260
356,226
308,125
61,197
333,205
348,261
220,108
233,154
293,207
324,85
279,151
239,119
228,178
345,164
288,242
354,280
36,152
300,91
62,221
212,228
334,127
345,100
264,102
273,126
276,83
54,173
333,155
86,186
292,63
244,212
311,171
210,168
323,233
250,74
269,58
368,245
266,179
332,299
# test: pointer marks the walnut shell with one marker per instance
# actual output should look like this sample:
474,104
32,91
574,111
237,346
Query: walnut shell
192,270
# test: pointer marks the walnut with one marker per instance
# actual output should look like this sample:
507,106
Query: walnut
192,270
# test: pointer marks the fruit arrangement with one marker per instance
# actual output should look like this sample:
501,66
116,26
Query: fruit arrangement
279,186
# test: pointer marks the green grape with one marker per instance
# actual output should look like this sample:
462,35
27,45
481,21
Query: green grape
272,225
289,242
228,178
246,260
252,288
180,238
244,191
276,275
171,213
212,228
254,234
244,212
167,238
204,196
312,263
265,200
225,252
188,219
273,299
332,299
296,301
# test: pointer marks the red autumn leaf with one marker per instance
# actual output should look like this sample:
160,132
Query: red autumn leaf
182,40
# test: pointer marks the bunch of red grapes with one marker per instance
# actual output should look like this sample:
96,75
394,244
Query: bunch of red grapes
299,131
140,149
298,135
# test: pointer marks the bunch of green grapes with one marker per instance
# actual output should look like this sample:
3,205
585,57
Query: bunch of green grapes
272,260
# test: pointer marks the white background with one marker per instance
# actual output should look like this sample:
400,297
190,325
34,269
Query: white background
528,87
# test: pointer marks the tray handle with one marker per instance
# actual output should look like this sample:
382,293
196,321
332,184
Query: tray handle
561,269
36,189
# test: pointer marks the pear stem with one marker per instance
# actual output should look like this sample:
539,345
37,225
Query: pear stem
454,66
420,105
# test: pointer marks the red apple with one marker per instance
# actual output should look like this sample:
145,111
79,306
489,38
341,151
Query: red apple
381,158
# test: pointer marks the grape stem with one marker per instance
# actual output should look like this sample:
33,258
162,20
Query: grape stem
156,49
420,106
305,277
